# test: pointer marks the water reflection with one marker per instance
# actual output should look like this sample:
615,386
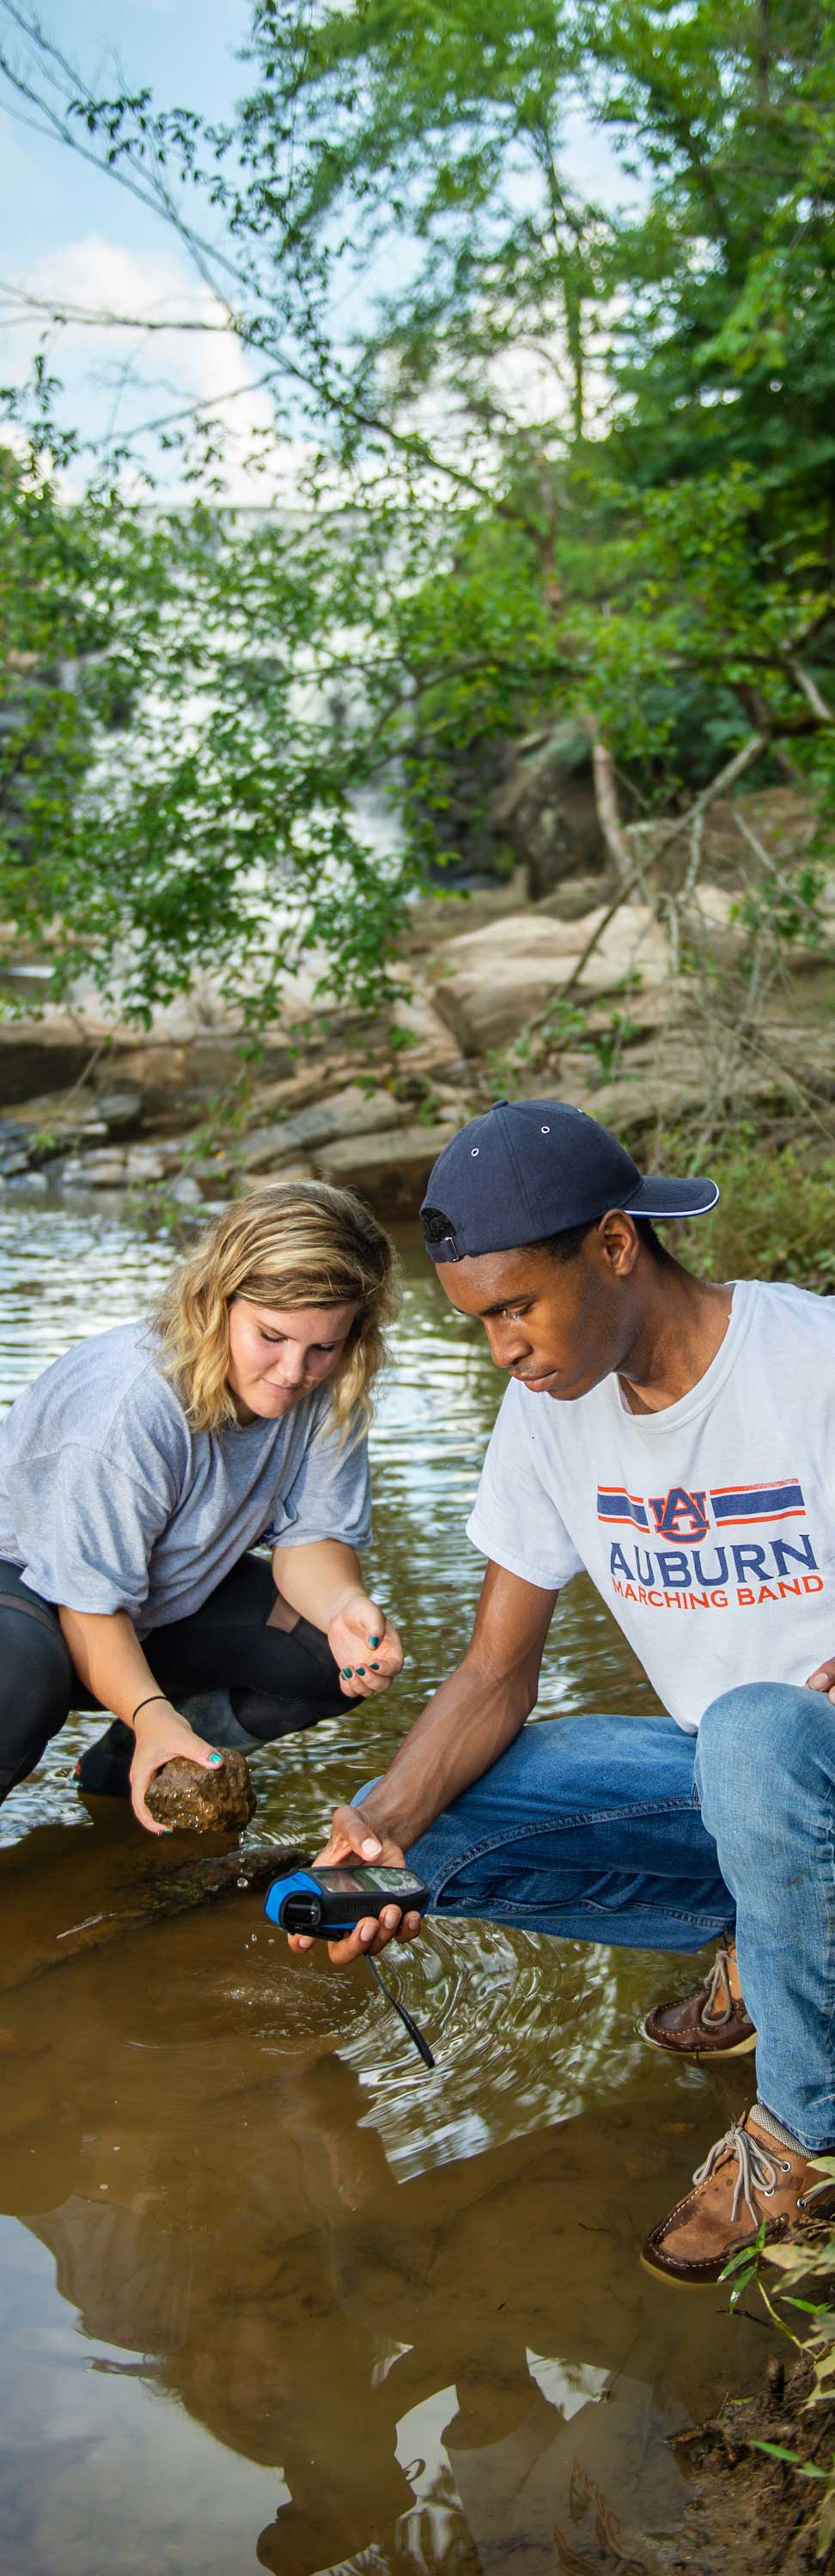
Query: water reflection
471,2354
274,2296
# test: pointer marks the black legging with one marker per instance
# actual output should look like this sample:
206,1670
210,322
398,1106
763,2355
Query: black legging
278,1680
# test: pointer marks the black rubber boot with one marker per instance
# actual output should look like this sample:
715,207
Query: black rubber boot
104,1770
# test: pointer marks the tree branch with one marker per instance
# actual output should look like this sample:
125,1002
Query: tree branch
810,691
608,809
725,779
332,393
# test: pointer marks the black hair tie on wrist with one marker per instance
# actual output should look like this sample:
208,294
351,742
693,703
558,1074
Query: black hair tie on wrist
145,1703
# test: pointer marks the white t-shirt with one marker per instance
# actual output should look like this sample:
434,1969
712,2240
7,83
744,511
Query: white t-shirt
708,1528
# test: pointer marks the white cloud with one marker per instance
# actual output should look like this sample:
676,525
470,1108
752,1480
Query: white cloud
117,374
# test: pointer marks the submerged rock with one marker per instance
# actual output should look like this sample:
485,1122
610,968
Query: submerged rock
203,1802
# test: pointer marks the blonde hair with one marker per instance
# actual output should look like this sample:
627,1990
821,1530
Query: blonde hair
299,1243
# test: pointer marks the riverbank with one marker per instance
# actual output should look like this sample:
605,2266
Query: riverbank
671,1013
747,2509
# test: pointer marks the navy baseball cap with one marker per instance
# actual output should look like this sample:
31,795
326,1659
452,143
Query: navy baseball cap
528,1169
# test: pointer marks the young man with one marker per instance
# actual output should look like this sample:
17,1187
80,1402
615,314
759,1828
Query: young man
676,1440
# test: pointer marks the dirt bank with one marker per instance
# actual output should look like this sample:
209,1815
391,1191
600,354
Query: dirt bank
749,2512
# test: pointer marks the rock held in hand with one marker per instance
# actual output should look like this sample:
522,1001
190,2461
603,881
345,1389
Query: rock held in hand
220,1800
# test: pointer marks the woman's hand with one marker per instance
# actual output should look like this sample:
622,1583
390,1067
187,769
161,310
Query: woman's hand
365,1646
353,1837
161,1734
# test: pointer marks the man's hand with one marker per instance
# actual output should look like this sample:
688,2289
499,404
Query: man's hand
823,1679
161,1734
365,1646
352,1837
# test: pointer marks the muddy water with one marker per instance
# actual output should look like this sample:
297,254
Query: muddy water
272,2295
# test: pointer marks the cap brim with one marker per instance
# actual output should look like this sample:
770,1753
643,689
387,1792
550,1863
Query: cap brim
657,1198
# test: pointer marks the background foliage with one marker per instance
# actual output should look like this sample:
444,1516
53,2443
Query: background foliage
554,460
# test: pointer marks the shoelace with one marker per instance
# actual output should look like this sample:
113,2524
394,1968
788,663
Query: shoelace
757,2171
720,1980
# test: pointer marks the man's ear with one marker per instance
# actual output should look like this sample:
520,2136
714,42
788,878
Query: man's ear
619,1241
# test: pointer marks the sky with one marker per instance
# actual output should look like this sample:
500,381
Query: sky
66,230
184,50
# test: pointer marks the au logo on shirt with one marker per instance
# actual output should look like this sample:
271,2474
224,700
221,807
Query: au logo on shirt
678,1514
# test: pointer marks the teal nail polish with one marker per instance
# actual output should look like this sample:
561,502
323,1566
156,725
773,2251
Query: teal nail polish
374,1668
216,1757
361,1671
373,1641
346,1672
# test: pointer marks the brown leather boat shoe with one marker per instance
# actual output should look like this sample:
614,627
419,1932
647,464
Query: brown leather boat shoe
749,2176
710,2022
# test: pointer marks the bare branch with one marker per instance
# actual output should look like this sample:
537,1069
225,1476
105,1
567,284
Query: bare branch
725,779
769,864
810,691
631,886
608,809
99,318
329,387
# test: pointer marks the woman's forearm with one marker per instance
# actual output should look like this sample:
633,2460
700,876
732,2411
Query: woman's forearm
108,1656
318,1580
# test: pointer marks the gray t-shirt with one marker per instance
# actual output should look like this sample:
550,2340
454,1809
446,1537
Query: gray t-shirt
109,1501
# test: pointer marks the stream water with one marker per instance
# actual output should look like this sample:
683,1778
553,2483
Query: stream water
272,2295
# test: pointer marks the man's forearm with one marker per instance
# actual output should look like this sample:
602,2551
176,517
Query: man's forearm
472,1718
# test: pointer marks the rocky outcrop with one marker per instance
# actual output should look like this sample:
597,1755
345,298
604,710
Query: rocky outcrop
391,1171
491,982
639,1010
344,1114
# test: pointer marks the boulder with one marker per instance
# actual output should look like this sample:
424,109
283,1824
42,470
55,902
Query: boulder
298,1169
203,1802
145,1164
15,1142
389,1171
103,1170
429,1045
350,1112
491,983
577,895
40,1055
174,1080
120,1108
444,916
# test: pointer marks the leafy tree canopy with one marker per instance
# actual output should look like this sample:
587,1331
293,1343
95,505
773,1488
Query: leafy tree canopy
558,455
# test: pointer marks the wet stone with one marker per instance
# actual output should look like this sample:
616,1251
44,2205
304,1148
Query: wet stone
203,1802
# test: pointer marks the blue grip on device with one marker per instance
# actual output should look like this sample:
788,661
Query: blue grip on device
297,1883
300,1882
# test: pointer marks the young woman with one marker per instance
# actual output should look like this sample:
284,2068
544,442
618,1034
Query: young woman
141,1469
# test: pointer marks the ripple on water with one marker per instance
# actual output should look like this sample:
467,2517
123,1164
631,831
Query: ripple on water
518,2027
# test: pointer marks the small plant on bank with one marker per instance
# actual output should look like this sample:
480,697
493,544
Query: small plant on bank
815,2345
775,1214
564,1026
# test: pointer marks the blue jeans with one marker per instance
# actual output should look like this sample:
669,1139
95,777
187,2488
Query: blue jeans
626,1830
